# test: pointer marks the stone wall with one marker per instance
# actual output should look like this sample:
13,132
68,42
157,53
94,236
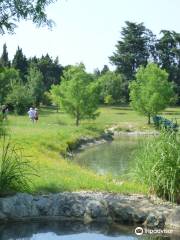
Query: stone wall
91,207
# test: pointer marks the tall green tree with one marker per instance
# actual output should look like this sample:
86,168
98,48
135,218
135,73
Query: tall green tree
150,92
55,93
168,53
134,49
111,87
20,63
105,69
50,69
78,93
4,60
8,76
36,85
12,11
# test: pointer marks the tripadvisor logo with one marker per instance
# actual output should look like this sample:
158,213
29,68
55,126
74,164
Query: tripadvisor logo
139,231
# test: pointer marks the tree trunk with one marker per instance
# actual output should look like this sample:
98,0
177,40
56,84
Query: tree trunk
77,118
77,121
149,119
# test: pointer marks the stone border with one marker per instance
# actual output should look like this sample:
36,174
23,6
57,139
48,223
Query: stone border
91,207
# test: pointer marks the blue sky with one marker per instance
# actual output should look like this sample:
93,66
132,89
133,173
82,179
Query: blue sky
87,30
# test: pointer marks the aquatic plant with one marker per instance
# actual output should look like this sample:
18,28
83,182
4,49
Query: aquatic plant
158,165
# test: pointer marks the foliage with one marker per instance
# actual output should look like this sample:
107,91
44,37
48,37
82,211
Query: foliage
133,50
12,12
15,169
35,84
158,165
108,99
78,94
105,69
150,92
20,98
50,69
168,54
55,93
4,60
111,84
8,76
20,63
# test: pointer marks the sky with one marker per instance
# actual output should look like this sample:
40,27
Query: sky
88,30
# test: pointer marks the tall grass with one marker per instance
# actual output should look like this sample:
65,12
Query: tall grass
15,169
3,124
158,165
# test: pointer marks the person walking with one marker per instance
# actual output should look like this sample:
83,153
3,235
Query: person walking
31,114
36,114
4,112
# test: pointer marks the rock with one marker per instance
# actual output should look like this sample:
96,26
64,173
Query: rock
155,221
87,219
96,209
125,213
174,218
77,210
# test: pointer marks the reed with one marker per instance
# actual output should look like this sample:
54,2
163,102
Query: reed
158,165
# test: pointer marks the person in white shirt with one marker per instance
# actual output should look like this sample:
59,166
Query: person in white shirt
31,114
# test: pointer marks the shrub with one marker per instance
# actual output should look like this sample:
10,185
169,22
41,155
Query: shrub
20,98
15,169
158,165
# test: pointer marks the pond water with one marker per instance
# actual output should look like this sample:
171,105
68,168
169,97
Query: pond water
113,158
70,231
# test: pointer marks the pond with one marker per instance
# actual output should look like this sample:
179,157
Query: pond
70,231
113,157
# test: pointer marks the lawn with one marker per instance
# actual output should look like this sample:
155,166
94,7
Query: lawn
43,142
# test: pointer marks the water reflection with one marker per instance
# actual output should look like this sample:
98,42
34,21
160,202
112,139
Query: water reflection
70,231
112,157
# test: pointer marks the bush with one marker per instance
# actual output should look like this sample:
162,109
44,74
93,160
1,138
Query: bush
20,98
158,165
15,169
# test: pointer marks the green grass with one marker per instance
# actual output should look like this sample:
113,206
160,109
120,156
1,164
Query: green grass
43,142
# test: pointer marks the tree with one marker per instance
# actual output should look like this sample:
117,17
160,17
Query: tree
150,92
20,63
96,73
168,53
4,60
12,12
133,50
8,76
78,93
35,84
55,93
19,98
111,84
50,69
105,69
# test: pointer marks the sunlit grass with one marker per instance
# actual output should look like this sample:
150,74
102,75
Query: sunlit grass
44,142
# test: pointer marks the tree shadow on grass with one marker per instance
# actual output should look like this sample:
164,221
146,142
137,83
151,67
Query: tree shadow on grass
121,113
171,113
122,108
52,188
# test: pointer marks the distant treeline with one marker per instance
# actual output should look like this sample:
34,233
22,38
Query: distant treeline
137,47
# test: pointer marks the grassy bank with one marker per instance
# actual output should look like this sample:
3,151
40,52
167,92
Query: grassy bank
42,143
